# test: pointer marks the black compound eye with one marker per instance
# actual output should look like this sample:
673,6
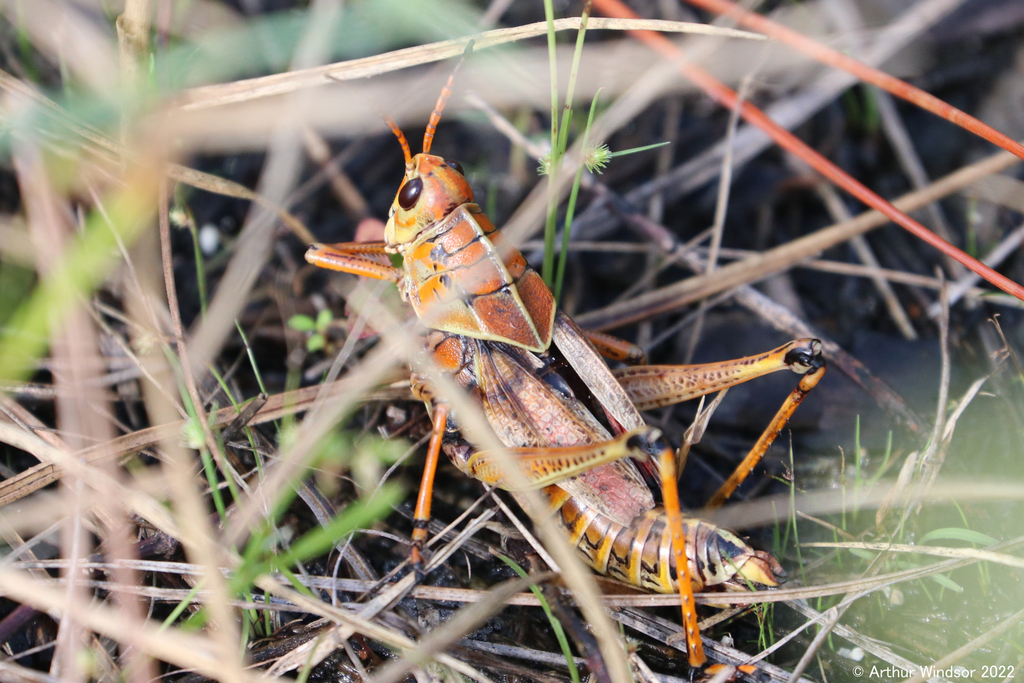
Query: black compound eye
410,193
457,166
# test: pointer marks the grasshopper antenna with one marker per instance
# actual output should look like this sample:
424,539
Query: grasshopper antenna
442,100
402,141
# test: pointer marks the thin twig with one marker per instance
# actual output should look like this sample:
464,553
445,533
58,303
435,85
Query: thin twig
755,268
721,206
837,209
1006,248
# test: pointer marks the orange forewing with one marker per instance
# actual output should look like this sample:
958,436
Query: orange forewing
462,283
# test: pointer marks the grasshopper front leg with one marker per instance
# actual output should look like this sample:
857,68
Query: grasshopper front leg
368,259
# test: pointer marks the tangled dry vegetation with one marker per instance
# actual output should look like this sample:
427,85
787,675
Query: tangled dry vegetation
211,448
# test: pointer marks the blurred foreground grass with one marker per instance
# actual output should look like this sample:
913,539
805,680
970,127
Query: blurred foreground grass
100,368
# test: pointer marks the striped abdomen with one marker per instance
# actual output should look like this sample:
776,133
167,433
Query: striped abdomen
641,553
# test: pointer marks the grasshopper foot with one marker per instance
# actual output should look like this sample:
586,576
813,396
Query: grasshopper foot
730,674
416,561
805,356
419,537
646,443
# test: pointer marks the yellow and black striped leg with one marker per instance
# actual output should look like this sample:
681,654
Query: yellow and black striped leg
543,466
674,514
778,423
421,517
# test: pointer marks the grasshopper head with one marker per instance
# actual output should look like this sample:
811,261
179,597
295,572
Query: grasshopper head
731,565
432,188
760,569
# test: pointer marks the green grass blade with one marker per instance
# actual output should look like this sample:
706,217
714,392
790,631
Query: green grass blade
548,266
563,132
947,582
634,150
252,357
556,625
956,534
315,542
563,257
238,408
356,516
180,608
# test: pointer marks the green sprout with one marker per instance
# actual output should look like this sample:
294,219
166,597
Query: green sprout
316,330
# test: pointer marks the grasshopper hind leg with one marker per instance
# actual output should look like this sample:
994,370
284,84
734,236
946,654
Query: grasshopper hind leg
804,358
654,386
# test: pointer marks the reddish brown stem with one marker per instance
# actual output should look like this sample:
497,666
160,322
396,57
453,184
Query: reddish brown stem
868,74
728,98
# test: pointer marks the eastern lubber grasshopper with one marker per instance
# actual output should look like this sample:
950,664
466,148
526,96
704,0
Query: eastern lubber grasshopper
571,422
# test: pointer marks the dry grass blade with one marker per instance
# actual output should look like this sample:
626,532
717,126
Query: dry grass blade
406,588
695,432
227,188
972,553
755,268
187,650
241,91
433,593
999,189
276,407
21,674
